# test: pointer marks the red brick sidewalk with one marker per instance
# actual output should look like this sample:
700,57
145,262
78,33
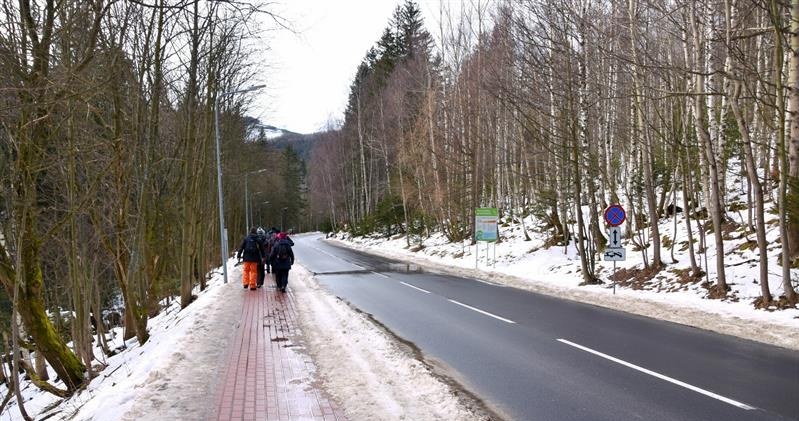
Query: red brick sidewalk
267,376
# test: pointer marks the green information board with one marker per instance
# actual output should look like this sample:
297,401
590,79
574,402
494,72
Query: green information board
485,224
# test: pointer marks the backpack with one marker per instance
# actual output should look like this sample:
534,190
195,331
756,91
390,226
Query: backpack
251,246
283,251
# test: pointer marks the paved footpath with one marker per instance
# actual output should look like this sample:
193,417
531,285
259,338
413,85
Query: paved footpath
268,377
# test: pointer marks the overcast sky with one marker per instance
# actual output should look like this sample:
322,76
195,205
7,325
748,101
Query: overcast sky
308,74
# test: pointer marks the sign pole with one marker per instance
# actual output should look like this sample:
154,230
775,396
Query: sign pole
615,216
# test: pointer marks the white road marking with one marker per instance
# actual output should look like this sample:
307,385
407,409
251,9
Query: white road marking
661,376
380,274
417,288
483,312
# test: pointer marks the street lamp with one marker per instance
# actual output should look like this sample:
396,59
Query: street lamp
248,211
222,229
260,207
247,197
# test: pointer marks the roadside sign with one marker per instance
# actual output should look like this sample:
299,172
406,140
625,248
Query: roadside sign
614,234
614,254
485,224
615,215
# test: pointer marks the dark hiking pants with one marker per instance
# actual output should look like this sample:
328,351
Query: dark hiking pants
281,277
261,274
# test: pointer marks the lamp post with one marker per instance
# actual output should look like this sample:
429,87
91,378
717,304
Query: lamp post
222,229
260,207
247,210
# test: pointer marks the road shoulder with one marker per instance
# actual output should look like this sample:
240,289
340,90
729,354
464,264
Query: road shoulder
754,330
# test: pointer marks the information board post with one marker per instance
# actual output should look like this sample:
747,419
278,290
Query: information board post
476,254
485,229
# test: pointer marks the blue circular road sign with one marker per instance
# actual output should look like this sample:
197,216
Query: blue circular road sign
615,215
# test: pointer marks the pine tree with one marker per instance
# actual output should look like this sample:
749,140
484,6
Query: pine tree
413,37
292,177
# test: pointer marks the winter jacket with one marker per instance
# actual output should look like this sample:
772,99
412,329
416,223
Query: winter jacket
278,263
254,255
284,236
264,241
269,242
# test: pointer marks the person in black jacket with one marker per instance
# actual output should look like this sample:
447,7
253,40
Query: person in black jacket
252,252
269,243
282,258
264,255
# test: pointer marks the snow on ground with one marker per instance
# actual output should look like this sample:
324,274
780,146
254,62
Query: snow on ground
363,367
556,271
372,375
172,376
165,379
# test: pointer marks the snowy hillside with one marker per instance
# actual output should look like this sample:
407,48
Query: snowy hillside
258,131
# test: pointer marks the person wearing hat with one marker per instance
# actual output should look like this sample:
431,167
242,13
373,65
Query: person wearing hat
251,251
282,259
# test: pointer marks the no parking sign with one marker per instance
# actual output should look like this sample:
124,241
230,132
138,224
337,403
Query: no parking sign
615,215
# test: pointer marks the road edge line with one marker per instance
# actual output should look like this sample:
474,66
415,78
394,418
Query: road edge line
661,376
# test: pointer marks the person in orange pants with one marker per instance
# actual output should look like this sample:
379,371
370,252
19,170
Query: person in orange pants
251,251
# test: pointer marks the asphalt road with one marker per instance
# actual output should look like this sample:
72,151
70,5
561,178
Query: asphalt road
535,357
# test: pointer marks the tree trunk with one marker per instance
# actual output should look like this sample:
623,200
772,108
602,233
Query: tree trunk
687,192
754,181
645,140
31,309
781,151
792,245
715,207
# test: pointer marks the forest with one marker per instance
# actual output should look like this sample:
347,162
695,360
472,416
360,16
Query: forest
108,145
108,172
558,109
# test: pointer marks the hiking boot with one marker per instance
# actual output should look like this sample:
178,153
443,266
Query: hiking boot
252,288
245,286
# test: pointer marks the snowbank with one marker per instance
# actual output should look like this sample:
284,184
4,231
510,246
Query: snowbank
170,377
365,368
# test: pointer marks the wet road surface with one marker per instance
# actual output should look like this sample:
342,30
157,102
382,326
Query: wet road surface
535,357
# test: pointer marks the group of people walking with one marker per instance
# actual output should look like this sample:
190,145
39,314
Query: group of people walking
266,252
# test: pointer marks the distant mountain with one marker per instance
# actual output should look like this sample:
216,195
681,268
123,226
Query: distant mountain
301,143
257,131
280,138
